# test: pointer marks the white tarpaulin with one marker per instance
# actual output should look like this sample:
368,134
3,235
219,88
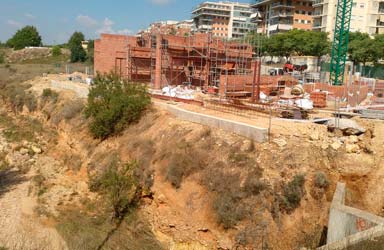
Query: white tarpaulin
179,91
304,104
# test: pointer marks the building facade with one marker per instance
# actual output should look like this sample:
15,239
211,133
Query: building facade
283,15
179,28
367,16
223,19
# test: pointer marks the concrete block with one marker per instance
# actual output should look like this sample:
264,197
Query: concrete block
347,222
252,132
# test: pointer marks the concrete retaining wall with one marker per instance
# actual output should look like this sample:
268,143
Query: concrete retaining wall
371,239
255,133
81,90
348,225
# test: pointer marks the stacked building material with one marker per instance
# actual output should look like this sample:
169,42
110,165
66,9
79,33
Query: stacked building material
319,99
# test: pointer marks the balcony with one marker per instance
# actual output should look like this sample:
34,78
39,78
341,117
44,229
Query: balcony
204,27
282,5
281,14
256,3
209,13
317,14
280,27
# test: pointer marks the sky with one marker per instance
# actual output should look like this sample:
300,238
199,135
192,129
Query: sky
56,20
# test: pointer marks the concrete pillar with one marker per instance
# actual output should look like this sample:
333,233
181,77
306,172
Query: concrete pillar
158,62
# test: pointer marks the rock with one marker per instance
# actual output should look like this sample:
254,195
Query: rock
161,199
203,230
23,151
25,143
247,146
324,146
347,126
36,149
16,159
352,148
314,136
336,145
353,139
280,142
172,225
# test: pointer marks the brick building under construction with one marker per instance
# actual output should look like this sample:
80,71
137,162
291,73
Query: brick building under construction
200,60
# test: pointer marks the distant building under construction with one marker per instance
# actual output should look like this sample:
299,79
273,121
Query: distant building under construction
200,60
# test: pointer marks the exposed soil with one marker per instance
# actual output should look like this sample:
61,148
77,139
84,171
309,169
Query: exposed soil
184,217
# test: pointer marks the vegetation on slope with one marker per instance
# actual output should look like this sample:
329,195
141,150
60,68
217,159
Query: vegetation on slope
113,104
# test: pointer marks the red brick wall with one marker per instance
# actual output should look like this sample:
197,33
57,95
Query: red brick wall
341,91
107,48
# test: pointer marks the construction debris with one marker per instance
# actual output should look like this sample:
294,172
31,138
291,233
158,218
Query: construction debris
179,91
347,126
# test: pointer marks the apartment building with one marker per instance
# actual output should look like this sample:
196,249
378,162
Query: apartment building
223,19
283,15
170,27
367,16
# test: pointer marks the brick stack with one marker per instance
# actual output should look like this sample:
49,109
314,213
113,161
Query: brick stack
319,99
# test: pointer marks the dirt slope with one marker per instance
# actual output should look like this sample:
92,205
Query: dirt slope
185,215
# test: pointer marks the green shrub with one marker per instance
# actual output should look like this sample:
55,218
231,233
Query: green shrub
72,108
17,96
2,57
49,95
68,111
179,166
31,102
119,184
293,191
253,185
229,210
113,104
184,160
56,51
229,205
321,180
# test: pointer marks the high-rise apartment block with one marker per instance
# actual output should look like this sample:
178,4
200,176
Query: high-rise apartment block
367,16
223,19
283,15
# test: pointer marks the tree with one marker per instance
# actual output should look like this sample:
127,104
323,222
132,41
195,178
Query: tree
258,41
113,104
56,50
315,43
27,36
76,39
78,54
363,51
91,51
274,46
357,36
379,43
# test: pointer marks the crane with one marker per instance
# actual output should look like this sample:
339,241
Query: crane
340,41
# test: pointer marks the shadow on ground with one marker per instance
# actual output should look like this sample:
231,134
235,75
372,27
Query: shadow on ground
10,178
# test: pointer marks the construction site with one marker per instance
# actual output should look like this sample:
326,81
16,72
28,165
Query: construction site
228,71
192,135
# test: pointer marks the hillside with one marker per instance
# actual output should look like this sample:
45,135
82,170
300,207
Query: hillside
205,188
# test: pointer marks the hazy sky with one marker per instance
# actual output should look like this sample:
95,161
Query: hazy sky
56,20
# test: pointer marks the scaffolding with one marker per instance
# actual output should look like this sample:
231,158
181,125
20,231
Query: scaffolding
199,60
